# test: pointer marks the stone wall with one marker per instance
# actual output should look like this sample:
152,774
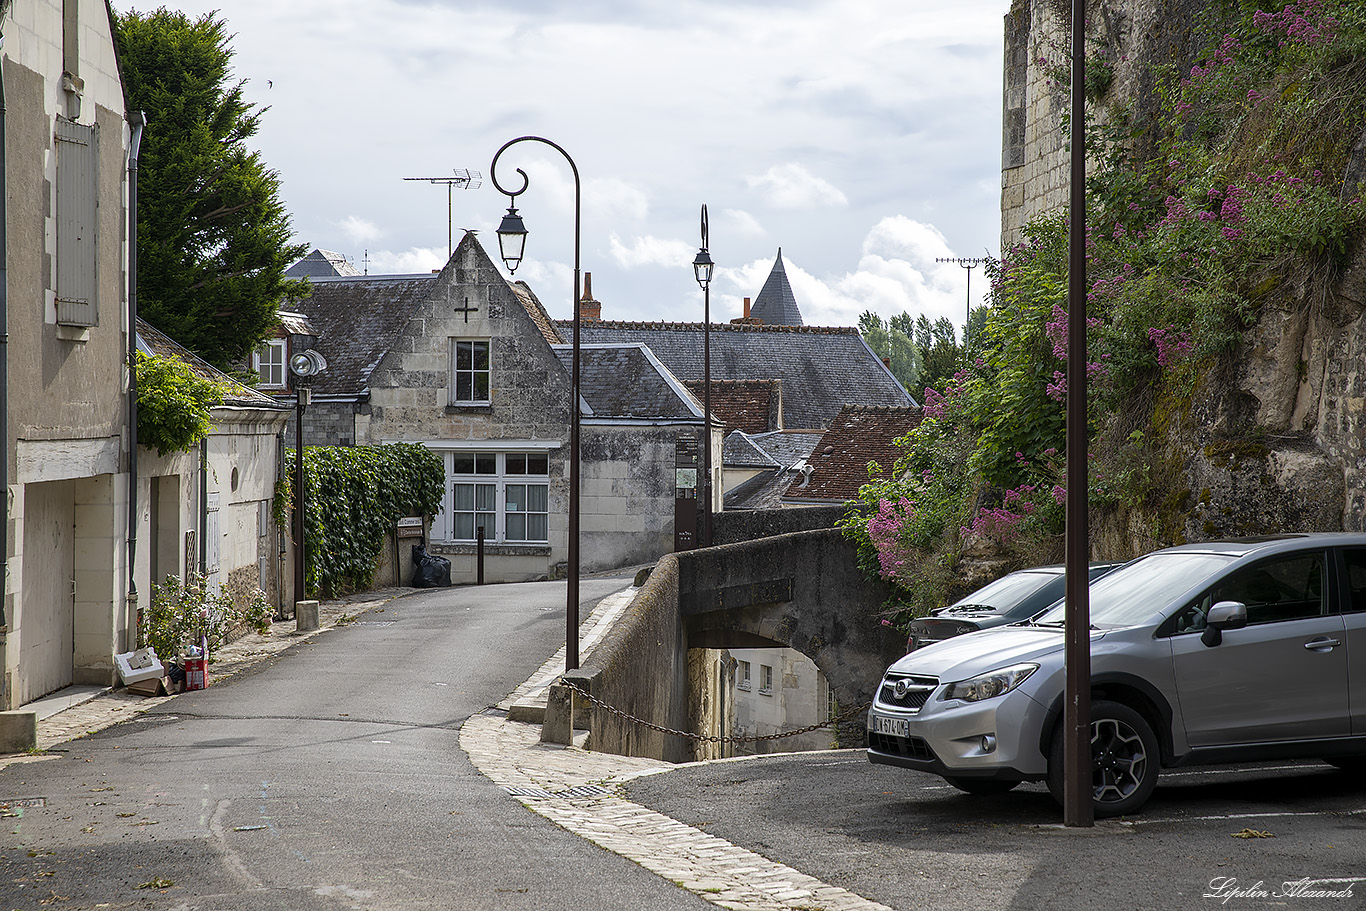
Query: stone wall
802,591
735,525
1132,37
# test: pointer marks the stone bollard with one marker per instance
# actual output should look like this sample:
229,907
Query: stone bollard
18,731
305,616
558,726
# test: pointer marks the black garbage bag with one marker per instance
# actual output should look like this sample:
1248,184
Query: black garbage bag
430,570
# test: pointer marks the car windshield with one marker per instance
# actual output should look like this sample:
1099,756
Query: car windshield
1005,591
1133,593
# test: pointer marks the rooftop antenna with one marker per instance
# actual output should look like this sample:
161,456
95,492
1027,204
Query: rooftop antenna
967,262
465,180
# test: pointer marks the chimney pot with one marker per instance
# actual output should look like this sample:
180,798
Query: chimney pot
589,309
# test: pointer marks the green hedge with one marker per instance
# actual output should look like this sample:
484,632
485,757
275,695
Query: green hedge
355,495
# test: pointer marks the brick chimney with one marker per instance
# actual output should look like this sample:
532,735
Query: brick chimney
589,309
746,320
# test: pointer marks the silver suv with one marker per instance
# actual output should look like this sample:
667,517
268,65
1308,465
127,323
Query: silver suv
1226,651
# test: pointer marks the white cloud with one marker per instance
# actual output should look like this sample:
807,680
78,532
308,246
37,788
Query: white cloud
358,230
652,251
792,186
615,199
741,223
411,261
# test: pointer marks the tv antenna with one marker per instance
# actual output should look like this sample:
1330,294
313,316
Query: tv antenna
465,180
968,263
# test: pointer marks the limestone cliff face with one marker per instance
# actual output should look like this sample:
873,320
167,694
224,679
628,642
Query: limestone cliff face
1274,438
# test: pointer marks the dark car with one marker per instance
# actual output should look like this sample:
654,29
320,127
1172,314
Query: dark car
1013,597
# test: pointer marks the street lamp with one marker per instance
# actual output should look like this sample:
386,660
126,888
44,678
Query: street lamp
703,267
305,366
511,245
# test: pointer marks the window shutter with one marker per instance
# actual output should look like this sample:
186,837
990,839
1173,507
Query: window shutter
77,146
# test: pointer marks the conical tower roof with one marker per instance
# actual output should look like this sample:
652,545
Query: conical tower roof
776,305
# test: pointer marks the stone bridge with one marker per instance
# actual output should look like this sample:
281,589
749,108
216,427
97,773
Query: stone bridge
799,590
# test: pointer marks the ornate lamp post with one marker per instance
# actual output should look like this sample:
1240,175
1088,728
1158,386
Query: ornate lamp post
511,245
702,270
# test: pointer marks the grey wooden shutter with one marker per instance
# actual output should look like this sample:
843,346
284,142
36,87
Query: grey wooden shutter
77,202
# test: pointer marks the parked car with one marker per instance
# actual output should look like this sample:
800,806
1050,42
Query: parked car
1227,651
1016,596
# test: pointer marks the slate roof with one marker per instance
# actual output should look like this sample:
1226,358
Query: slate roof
821,369
859,435
776,305
627,381
320,264
153,341
296,323
357,320
753,406
776,453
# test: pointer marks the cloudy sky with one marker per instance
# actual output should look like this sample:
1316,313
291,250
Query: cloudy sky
860,136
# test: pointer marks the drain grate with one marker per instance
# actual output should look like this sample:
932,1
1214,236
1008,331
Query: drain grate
374,622
587,790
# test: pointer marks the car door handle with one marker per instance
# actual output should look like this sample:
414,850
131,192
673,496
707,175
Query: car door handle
1321,644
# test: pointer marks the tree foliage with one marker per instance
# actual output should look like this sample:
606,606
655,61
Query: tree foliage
173,403
213,235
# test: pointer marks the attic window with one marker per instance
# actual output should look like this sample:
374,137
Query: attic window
470,372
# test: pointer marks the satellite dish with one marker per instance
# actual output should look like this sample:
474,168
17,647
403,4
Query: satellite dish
307,364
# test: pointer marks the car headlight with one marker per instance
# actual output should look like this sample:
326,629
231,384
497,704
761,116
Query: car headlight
987,686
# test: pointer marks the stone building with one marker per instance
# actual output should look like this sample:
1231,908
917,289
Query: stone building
470,365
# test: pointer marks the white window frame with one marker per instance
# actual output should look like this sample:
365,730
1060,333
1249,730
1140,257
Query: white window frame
743,683
473,372
277,348
498,474
765,680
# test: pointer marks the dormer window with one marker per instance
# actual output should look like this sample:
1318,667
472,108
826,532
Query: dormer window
269,363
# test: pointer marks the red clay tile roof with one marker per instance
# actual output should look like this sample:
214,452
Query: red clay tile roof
859,434
754,406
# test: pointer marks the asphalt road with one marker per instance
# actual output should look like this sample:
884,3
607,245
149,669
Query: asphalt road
909,840
328,778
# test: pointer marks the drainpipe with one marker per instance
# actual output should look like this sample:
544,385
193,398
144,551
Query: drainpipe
4,361
137,120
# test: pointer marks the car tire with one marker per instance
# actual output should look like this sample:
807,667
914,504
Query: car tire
1125,760
982,785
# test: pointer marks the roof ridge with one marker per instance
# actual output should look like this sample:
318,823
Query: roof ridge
715,327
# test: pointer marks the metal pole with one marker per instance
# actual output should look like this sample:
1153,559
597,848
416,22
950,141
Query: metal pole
1077,762
571,618
301,398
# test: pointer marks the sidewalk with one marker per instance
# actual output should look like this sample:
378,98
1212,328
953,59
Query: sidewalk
77,711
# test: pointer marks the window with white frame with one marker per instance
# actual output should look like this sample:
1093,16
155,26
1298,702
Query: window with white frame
504,493
743,683
269,363
765,680
470,373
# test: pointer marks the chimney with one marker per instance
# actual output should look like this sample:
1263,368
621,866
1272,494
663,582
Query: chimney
745,320
887,362
589,309
746,308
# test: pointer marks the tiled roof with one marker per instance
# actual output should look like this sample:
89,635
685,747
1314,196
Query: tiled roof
821,369
776,305
537,312
154,341
859,435
763,491
296,323
627,381
320,264
753,406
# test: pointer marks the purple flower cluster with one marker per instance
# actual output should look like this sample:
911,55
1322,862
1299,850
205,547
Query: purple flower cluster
1298,23
1172,346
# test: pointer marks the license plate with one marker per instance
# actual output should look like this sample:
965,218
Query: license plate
896,727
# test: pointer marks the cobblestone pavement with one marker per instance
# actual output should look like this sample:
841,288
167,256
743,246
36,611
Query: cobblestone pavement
570,786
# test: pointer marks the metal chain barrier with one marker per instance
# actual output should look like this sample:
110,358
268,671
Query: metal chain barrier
708,739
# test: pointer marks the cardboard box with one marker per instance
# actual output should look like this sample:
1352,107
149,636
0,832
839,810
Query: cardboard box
139,665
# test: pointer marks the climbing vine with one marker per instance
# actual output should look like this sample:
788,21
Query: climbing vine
174,403
355,495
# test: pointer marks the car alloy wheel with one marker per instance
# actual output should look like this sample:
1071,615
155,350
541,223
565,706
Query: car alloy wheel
1124,755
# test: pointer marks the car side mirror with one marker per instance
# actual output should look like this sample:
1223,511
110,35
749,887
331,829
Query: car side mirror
1222,616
